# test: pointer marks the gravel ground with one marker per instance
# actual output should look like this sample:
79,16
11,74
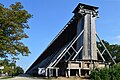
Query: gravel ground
35,78
27,77
24,78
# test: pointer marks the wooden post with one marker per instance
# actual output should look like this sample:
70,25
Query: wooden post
66,73
49,72
69,72
46,72
56,72
79,73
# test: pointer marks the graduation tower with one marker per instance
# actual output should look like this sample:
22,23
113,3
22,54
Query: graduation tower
74,50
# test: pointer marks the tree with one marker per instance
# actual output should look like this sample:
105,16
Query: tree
112,73
19,70
114,49
11,68
13,22
7,66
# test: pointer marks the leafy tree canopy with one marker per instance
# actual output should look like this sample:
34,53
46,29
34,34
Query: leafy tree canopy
19,70
114,49
13,22
10,68
112,73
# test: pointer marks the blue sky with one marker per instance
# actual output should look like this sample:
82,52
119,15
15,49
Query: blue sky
49,17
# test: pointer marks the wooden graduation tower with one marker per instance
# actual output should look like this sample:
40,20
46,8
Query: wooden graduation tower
74,50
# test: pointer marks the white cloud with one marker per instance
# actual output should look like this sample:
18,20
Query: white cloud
118,37
117,40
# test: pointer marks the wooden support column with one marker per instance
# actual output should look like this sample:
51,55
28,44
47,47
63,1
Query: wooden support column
76,73
69,67
49,72
89,72
46,72
79,73
68,72
93,39
80,39
56,72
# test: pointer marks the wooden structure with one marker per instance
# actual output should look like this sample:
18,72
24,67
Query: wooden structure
73,52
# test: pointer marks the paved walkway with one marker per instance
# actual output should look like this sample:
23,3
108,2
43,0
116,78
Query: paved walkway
23,78
27,77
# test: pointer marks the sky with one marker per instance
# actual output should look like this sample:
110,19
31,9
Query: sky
50,16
